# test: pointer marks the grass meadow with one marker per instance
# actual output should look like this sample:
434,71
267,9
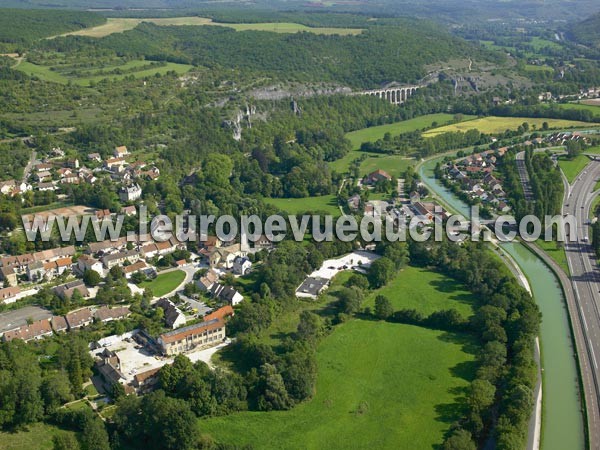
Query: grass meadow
379,384
572,167
47,73
164,282
393,164
325,203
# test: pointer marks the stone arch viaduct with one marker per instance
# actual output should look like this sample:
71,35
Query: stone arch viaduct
394,95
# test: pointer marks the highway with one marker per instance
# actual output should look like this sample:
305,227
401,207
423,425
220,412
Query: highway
585,293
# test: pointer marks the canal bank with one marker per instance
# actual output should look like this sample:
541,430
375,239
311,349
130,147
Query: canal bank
562,411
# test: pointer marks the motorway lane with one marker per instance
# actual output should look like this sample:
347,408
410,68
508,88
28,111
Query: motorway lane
585,280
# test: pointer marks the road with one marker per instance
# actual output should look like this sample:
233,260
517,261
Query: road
524,176
585,283
29,166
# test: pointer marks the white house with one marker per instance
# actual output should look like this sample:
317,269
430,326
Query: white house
130,193
241,265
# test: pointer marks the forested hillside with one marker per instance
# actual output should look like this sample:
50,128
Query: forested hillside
588,31
380,54
25,26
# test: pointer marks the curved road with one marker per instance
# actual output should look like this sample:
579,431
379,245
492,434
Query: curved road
585,284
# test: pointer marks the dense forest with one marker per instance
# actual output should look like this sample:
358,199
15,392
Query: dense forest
402,51
22,27
587,31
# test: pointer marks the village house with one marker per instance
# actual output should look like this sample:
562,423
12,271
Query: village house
9,294
108,366
41,177
120,151
139,266
66,291
376,176
36,271
115,164
107,246
224,256
106,314
354,202
130,193
8,275
241,265
263,243
200,335
58,267
144,382
94,157
80,318
129,210
173,316
43,167
206,282
226,294
222,313
86,262
6,187
59,324
102,214
30,332
50,186
12,188
118,259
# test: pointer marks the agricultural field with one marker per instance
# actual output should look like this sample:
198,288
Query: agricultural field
572,167
164,282
394,165
594,109
496,125
325,203
534,68
114,70
373,133
119,25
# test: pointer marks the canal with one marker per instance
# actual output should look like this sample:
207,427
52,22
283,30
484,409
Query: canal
562,418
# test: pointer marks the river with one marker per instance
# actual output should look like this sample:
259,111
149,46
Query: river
562,418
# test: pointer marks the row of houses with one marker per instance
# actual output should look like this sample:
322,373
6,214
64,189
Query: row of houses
69,322
475,175
46,263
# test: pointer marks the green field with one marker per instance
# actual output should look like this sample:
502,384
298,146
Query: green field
380,385
164,283
119,25
392,164
555,252
325,203
37,436
595,109
371,134
47,73
426,291
572,167
534,68
495,125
